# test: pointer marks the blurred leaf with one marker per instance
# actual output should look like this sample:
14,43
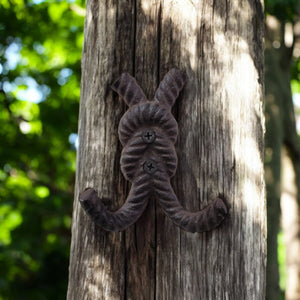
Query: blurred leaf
281,261
284,10
9,219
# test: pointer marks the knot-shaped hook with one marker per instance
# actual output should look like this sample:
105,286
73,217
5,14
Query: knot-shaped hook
148,132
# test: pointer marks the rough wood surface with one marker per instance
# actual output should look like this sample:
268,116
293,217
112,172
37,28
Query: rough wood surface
220,150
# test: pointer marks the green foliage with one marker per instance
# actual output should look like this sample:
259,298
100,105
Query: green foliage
281,260
40,51
295,76
284,10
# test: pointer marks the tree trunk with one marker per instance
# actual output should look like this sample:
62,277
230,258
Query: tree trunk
220,150
291,224
280,178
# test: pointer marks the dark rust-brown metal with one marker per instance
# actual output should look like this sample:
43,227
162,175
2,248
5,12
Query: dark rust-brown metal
148,132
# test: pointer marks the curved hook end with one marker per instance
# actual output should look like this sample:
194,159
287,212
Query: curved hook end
96,210
88,198
91,202
118,220
221,206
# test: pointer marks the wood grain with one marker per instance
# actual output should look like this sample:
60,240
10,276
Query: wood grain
220,150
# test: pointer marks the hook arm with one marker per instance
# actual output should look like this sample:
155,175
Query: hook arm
119,220
127,87
206,219
170,87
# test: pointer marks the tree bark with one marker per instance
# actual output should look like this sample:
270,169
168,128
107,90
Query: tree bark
220,150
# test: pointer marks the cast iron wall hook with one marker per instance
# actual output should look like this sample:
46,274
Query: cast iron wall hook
148,132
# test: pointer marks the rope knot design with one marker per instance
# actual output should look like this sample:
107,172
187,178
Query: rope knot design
148,132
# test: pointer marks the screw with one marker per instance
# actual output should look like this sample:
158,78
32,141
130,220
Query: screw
150,166
149,136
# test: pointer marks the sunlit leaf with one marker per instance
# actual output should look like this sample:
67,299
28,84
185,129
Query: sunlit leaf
56,10
9,220
282,261
42,191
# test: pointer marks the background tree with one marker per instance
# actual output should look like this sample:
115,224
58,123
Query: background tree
40,51
282,44
220,114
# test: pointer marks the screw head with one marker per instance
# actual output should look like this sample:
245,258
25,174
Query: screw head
148,136
150,166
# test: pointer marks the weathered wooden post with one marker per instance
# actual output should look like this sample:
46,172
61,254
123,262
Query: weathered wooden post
220,150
